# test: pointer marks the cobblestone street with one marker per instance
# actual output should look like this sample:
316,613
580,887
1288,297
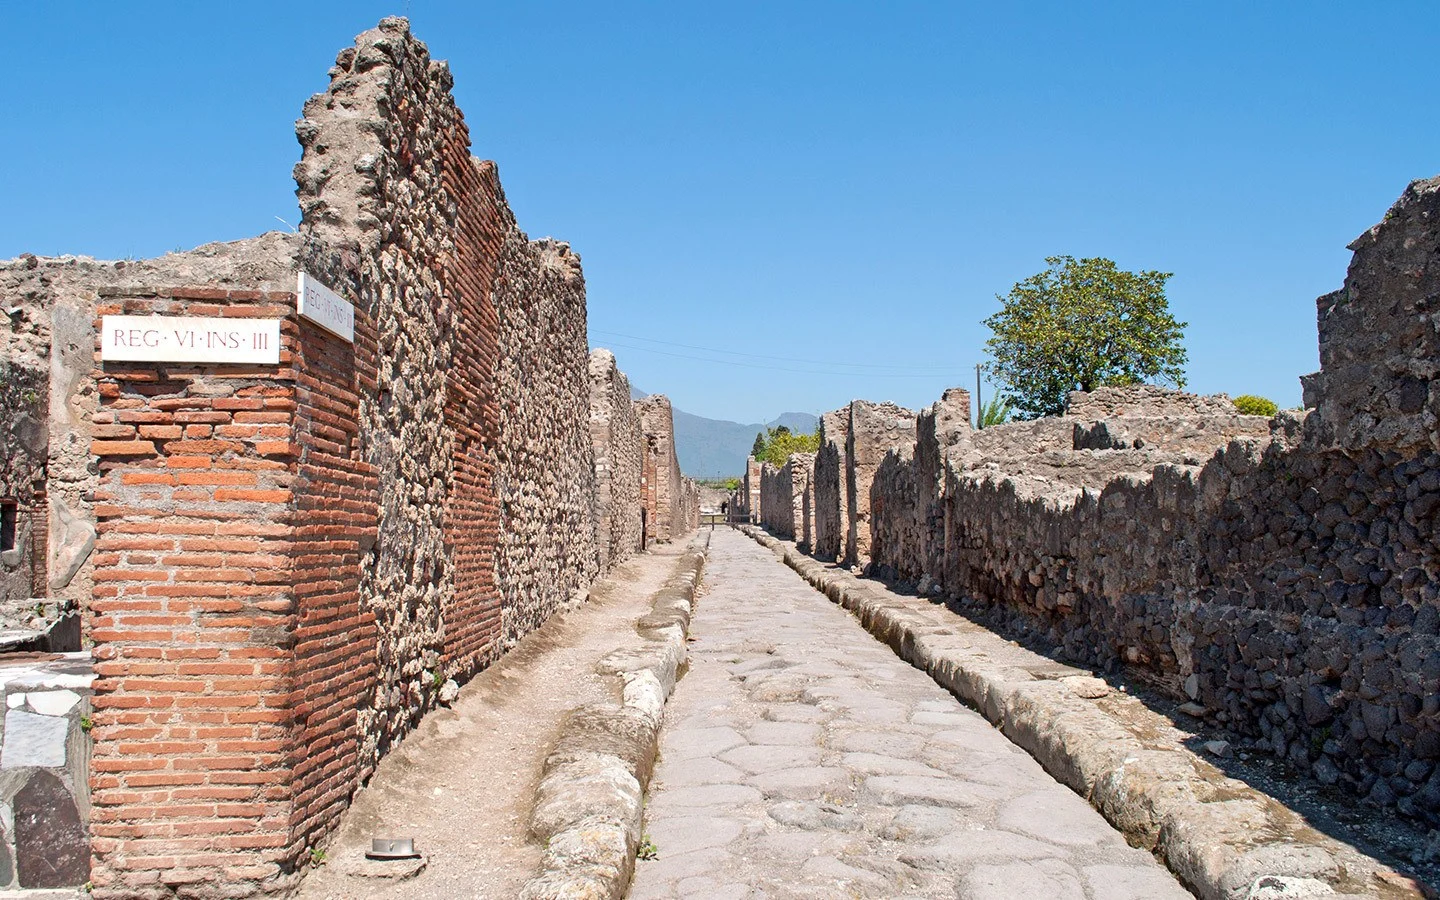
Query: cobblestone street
801,758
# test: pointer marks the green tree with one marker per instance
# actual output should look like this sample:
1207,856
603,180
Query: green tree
780,442
757,449
1079,325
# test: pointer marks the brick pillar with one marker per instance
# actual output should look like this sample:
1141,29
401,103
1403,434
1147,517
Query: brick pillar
231,646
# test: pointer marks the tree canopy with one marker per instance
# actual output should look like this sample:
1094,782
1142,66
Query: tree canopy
1079,325
776,444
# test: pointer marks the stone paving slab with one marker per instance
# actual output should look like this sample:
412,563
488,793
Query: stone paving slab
801,759
1224,839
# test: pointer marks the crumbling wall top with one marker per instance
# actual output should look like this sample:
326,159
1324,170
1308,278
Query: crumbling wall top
1144,400
1380,334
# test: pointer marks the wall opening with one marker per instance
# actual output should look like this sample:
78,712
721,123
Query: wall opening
9,514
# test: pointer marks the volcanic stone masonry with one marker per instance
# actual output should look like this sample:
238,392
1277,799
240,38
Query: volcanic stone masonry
619,445
283,568
1281,576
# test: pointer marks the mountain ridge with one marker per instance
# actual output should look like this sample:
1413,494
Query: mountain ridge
717,448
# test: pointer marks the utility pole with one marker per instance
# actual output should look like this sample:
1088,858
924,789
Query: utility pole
979,406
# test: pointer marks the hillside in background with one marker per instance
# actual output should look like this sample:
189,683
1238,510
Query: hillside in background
715,448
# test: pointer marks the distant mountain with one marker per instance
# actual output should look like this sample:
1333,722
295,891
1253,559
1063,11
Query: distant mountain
715,448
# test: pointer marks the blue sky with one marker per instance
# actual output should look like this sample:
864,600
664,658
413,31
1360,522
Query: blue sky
838,190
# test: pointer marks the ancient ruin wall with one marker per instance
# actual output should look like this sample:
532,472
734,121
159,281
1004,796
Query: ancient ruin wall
376,189
754,497
688,514
193,612
24,446
1379,346
831,518
875,429
776,500
1146,401
546,464
52,303
784,492
1288,583
291,560
617,442
907,512
798,470
669,517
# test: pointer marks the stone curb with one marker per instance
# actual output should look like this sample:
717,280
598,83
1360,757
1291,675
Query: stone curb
1223,839
589,802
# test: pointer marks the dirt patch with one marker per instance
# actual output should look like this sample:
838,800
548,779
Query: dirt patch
463,784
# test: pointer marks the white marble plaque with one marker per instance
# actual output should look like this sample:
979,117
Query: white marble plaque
32,740
189,339
325,308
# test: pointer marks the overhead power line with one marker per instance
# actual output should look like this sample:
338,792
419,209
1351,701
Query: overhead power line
746,365
783,359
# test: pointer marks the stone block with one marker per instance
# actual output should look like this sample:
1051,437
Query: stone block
33,740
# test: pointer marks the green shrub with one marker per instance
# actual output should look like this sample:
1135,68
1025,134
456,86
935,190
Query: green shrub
996,412
1251,405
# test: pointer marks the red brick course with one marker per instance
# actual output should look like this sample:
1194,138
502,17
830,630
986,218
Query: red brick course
198,614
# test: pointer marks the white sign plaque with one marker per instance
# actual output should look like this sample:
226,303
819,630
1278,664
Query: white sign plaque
189,339
325,308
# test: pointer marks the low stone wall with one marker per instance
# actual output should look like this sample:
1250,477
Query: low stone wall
1280,575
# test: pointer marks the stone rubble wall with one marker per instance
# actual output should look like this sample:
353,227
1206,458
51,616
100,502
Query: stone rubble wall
831,517
776,500
1281,576
24,448
617,442
875,430
689,513
1379,345
1145,401
377,183
798,470
906,508
547,554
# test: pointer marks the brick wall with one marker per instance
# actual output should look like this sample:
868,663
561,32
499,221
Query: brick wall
336,500
472,516
669,519
194,616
